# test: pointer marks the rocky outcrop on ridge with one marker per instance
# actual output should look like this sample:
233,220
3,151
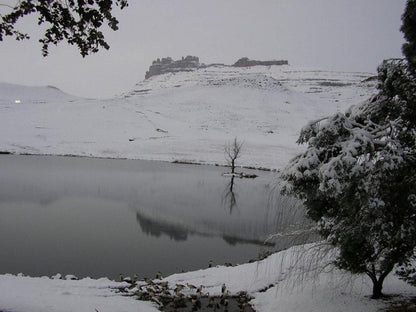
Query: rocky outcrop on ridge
168,65
190,63
246,62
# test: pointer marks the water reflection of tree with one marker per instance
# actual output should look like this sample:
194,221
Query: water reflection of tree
229,198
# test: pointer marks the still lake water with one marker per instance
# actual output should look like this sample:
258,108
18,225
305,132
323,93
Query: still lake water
103,217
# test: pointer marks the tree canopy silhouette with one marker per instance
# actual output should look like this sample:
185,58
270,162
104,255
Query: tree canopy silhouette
78,22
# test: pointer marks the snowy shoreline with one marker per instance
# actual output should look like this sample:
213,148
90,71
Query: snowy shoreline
174,162
300,278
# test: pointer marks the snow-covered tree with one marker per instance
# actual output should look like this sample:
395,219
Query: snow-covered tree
357,177
75,21
409,30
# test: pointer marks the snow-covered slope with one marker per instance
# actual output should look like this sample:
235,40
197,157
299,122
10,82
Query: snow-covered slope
10,93
187,116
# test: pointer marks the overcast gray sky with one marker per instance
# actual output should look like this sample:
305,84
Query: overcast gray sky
347,35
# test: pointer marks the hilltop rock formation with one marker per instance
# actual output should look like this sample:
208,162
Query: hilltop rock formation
246,62
168,65
189,63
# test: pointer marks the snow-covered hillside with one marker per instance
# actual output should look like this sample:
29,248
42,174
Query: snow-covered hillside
10,93
190,116
187,116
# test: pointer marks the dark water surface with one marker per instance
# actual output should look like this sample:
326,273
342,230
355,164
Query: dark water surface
103,217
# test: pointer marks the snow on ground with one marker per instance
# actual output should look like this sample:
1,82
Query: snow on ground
190,117
300,279
42,294
187,116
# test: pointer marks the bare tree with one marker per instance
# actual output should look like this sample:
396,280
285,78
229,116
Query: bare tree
232,152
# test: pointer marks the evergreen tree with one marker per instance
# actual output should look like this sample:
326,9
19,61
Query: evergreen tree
409,30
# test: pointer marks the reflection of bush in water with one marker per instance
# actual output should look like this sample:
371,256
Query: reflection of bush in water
154,228
234,241
334,84
283,215
177,233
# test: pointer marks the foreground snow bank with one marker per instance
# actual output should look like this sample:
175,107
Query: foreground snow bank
298,279
44,294
301,278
